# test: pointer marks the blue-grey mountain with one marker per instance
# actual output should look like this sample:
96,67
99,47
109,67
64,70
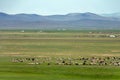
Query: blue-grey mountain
68,21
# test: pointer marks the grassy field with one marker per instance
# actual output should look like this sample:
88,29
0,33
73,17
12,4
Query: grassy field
16,43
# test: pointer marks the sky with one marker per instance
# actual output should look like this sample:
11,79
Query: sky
52,7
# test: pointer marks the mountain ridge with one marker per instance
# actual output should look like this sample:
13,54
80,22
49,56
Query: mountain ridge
69,21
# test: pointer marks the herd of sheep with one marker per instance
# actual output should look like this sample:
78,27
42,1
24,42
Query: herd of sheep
101,61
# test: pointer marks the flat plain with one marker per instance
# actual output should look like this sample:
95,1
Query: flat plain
19,44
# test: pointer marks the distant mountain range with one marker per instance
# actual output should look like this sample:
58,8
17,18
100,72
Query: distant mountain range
69,21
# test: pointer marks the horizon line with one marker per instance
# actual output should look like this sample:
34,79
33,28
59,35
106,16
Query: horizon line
55,14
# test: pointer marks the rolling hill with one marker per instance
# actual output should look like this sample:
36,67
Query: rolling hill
69,21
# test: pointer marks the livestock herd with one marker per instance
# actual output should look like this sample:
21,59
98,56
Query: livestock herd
101,61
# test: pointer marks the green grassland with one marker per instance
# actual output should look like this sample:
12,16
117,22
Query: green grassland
15,43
